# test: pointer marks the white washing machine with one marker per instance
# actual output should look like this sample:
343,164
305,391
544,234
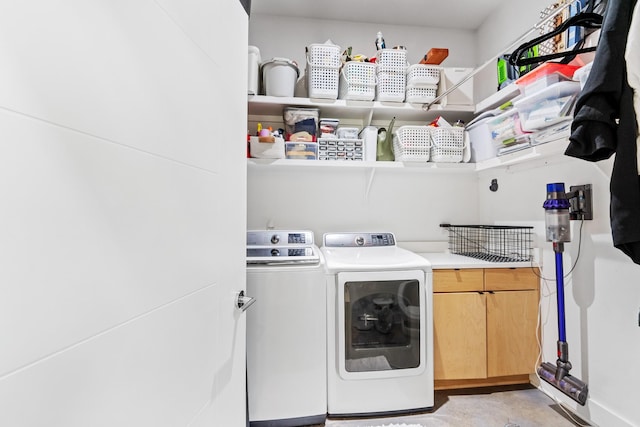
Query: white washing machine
379,326
286,330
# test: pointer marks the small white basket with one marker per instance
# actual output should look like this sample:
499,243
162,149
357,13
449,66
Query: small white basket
322,82
323,55
323,65
358,81
391,86
447,144
421,95
421,75
411,143
394,60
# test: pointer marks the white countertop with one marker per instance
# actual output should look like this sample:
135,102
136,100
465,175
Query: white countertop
441,260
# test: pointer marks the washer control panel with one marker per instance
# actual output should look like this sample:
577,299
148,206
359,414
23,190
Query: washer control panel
279,238
355,240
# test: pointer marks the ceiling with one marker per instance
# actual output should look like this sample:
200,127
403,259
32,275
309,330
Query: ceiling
454,14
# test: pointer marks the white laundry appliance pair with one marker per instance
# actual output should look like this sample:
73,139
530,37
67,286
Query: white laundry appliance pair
345,330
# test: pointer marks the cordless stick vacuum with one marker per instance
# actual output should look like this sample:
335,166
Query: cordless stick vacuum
558,232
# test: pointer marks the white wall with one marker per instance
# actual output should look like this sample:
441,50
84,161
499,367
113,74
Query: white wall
497,35
288,37
409,203
109,288
602,295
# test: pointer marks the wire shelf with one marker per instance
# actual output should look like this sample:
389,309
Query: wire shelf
494,243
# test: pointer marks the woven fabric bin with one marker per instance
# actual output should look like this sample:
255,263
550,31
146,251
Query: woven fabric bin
411,143
447,145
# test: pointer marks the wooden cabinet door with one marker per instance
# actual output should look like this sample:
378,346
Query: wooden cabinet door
460,339
512,345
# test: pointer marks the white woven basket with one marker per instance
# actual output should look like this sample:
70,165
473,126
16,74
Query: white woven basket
358,81
323,64
423,75
411,143
391,86
394,60
421,95
447,145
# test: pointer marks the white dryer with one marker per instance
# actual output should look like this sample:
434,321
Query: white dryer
286,330
379,326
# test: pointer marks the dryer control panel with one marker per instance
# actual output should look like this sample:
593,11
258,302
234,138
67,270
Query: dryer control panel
355,240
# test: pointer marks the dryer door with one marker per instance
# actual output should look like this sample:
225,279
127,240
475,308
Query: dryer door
381,324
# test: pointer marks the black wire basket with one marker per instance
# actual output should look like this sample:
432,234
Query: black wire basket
494,243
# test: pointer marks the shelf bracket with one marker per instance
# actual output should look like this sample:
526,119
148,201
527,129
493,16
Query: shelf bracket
372,173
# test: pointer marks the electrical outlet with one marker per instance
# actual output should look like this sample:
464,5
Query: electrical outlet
581,202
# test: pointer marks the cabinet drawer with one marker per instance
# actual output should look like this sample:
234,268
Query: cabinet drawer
507,279
458,280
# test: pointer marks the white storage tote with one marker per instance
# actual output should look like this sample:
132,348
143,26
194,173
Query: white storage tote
358,81
421,95
323,68
411,143
422,75
447,144
394,60
391,86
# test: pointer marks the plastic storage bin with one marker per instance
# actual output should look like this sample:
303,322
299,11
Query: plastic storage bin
547,106
279,77
545,75
447,144
421,95
301,150
421,75
394,60
299,121
391,86
391,68
323,65
358,81
411,143
482,145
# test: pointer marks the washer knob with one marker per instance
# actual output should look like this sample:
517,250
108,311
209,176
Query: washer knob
359,240
275,239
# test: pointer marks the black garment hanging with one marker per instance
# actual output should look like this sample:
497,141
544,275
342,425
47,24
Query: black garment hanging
605,123
585,19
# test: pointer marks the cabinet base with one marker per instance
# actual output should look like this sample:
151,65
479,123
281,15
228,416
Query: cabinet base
481,382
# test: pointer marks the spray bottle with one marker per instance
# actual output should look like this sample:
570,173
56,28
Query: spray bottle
380,41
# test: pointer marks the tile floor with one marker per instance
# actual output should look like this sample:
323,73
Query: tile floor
510,406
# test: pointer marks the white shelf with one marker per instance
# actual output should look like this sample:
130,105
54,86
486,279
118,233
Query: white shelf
497,99
406,166
541,151
260,105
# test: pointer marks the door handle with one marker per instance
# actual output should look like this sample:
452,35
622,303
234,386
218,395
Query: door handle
243,302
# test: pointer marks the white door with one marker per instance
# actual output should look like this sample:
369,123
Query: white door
122,227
